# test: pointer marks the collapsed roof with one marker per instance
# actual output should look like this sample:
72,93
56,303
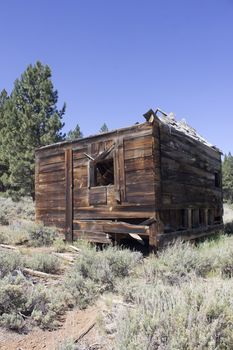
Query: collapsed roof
180,125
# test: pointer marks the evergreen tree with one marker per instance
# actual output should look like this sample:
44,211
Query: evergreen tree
227,172
75,134
31,120
3,162
104,128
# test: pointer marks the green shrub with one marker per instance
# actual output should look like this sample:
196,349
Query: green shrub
23,209
195,315
3,238
97,271
44,262
3,218
40,235
177,263
22,302
12,321
13,299
10,261
67,345
60,246
71,345
47,306
17,234
82,291
104,267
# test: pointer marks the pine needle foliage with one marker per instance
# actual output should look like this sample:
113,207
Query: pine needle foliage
31,119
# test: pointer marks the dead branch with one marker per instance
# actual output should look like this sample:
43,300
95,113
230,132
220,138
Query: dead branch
39,273
86,330
64,256
78,250
6,246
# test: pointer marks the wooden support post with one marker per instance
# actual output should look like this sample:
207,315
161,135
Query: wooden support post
152,236
196,218
189,218
206,216
211,216
69,194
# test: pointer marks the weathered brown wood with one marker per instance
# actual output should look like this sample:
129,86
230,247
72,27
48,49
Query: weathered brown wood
123,227
153,236
121,170
190,218
188,234
96,237
69,194
159,172
98,195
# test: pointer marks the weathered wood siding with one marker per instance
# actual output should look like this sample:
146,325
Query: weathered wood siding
188,170
65,195
159,173
50,187
132,194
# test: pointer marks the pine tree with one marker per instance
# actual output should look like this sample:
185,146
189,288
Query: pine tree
3,161
75,134
104,128
31,120
227,171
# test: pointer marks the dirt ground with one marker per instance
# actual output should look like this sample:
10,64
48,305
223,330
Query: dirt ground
76,324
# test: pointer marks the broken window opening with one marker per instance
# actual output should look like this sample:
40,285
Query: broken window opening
104,173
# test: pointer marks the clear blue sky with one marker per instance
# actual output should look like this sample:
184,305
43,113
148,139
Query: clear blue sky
113,60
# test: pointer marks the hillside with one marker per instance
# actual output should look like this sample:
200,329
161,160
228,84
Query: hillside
61,297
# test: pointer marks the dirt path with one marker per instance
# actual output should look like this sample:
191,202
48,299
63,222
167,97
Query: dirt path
76,323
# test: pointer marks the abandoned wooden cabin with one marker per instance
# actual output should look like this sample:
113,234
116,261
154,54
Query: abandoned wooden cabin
153,181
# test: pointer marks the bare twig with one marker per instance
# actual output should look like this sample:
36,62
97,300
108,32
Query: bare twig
87,329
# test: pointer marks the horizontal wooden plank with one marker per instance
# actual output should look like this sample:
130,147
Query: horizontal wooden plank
98,195
53,212
56,159
49,221
123,227
138,143
137,153
79,154
91,236
140,176
58,176
106,212
43,154
51,167
185,235
51,187
139,164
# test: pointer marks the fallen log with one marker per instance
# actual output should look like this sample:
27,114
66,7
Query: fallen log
78,250
64,256
6,246
39,274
